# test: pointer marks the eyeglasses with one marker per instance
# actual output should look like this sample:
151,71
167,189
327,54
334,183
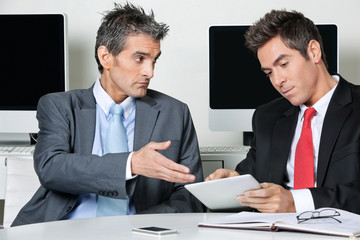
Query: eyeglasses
325,213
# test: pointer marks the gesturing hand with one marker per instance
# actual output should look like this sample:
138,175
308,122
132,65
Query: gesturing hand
150,163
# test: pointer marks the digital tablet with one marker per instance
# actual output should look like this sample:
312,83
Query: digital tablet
221,194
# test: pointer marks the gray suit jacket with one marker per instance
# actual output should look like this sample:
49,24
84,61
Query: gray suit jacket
338,174
66,167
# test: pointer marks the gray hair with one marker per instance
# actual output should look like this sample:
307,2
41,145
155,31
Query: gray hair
123,21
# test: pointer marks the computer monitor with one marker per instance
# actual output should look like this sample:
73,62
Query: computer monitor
33,63
237,84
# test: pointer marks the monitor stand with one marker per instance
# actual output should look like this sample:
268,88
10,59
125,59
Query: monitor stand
247,138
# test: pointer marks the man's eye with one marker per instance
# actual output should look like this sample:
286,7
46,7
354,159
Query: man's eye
284,64
138,59
268,74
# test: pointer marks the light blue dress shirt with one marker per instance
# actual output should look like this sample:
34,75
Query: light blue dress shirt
87,202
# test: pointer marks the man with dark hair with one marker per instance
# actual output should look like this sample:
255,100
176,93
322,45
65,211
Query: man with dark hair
116,148
305,149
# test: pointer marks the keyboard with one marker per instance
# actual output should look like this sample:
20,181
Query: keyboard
224,149
17,150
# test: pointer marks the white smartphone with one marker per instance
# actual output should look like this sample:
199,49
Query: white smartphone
155,231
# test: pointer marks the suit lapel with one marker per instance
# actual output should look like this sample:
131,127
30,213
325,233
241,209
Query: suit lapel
281,143
85,115
337,112
145,120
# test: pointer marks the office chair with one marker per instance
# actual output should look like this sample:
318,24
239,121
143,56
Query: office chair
21,183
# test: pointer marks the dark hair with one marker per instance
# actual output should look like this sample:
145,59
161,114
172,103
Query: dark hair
294,29
123,21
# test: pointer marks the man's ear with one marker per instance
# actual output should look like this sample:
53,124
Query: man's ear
105,57
314,51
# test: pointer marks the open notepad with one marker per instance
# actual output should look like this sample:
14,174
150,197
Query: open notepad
349,226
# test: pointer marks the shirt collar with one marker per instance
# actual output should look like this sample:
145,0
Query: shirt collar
105,101
322,104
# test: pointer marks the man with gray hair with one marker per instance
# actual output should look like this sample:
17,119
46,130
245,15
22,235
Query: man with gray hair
116,148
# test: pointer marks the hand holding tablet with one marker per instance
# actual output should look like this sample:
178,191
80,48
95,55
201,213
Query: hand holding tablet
220,194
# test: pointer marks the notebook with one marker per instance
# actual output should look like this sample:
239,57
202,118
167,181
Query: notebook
221,194
347,223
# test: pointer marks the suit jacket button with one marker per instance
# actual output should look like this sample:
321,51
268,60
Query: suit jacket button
115,193
101,193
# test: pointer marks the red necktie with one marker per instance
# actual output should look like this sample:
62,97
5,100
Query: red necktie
304,155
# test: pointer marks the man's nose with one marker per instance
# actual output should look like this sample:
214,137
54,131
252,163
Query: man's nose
277,78
148,70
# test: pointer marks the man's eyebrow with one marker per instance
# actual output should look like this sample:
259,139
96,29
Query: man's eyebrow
141,53
281,57
157,56
145,54
277,60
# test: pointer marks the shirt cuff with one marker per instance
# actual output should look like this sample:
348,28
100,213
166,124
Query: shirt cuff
303,200
129,174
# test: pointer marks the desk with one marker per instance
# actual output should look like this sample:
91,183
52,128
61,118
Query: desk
118,228
210,163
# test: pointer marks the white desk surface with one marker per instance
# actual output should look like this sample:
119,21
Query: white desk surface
120,228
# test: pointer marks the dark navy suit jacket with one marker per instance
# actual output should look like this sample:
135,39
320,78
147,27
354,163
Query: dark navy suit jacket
338,174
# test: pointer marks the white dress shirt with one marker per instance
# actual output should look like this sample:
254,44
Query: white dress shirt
302,197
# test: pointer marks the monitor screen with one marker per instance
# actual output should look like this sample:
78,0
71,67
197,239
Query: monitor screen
33,63
237,84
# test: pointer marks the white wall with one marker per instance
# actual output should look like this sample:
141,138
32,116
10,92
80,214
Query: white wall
182,70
